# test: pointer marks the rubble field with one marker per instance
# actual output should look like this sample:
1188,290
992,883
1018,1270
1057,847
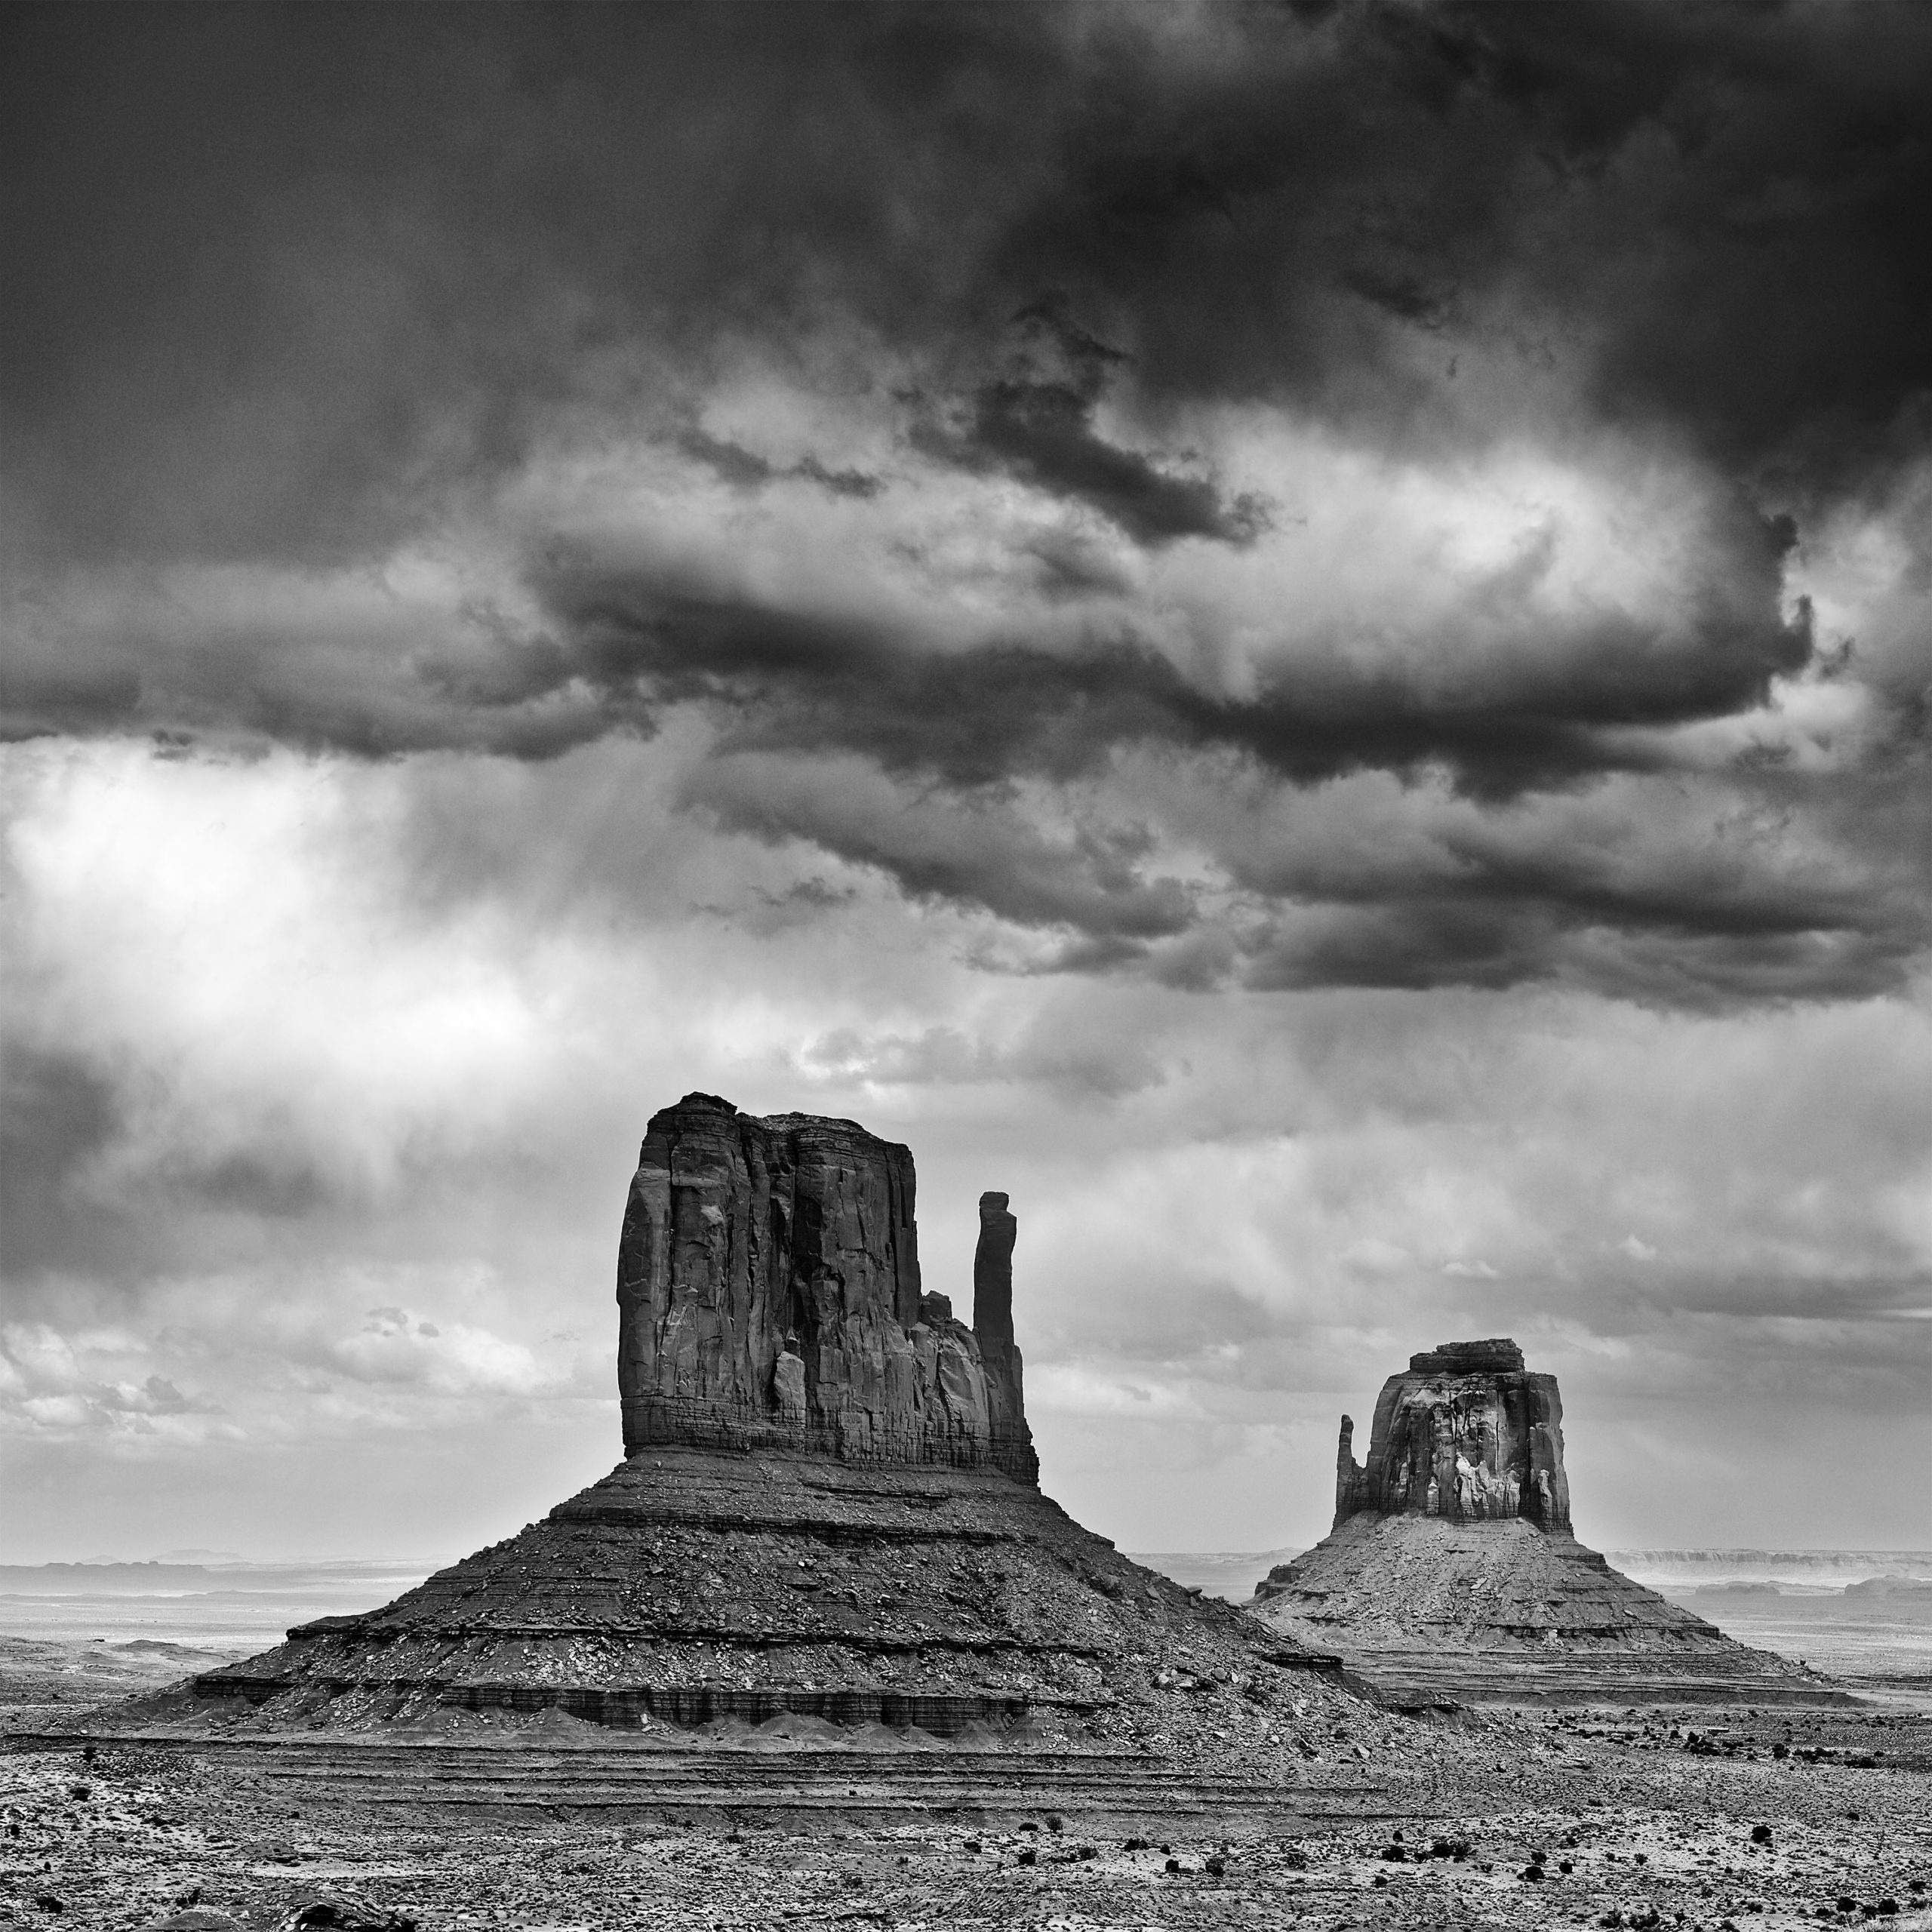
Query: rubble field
1494,1817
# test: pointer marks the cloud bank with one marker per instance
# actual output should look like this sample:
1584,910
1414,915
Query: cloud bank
1309,627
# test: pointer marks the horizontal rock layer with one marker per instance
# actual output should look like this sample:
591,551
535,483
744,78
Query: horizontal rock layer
1433,1611
769,1297
463,1776
690,1585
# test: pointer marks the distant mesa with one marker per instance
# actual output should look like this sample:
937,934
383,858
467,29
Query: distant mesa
828,1510
1451,1573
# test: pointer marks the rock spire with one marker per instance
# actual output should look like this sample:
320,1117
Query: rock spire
992,1319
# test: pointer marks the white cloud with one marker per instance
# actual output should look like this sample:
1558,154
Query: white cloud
394,1346
231,943
1234,1208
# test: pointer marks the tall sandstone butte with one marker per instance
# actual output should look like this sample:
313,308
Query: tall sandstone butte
769,1296
1451,1573
827,1509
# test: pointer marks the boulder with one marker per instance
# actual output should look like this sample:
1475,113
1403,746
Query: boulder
343,1912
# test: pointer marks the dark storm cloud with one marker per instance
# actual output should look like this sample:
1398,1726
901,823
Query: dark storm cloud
285,278
1043,432
56,1114
1037,422
1693,923
1720,198
1010,708
301,265
289,285
1697,955
973,850
747,469
61,1117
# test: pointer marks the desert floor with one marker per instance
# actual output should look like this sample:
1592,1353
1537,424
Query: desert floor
1691,1818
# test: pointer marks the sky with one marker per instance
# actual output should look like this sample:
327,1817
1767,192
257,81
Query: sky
1300,634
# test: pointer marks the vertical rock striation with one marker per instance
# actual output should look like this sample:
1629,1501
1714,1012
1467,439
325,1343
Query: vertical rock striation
1466,1433
769,1297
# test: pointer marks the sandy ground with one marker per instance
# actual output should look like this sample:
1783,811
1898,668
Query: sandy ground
1640,1820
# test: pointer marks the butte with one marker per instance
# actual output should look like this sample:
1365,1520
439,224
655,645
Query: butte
1451,1574
828,1515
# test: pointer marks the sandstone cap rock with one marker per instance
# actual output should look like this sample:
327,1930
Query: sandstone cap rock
769,1296
1465,1432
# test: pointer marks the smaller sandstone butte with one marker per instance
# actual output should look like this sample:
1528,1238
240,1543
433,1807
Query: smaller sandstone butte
769,1297
1451,1573
1468,1434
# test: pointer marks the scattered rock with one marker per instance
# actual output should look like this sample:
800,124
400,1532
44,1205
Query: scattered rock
342,1912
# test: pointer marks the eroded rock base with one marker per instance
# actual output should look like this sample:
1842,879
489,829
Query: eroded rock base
690,1586
1433,1612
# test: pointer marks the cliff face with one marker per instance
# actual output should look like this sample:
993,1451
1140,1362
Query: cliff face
1467,1434
769,1297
